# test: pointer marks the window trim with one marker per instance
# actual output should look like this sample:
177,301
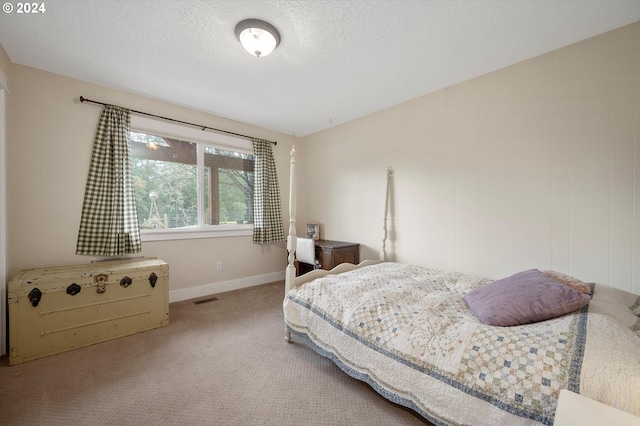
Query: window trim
221,231
192,134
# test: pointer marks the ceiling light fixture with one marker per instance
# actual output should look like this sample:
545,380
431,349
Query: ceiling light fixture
258,37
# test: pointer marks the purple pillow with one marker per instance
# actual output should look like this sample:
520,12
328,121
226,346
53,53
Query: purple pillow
523,298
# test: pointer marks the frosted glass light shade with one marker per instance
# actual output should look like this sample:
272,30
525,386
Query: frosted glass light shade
258,37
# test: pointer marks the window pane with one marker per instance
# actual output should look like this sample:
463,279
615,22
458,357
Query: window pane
231,183
165,179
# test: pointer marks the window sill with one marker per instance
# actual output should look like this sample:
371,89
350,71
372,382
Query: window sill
190,234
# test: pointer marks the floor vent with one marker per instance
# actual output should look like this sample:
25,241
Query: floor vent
211,299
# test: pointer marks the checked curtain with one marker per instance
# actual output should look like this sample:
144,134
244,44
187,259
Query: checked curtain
267,211
109,222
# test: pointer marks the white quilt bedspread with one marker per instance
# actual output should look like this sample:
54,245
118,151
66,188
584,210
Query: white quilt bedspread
407,331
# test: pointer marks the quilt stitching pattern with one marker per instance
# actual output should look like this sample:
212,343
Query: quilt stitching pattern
499,361
526,369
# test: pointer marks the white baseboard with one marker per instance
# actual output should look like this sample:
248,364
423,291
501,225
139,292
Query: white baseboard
221,287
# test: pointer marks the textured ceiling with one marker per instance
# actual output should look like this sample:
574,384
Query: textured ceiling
338,60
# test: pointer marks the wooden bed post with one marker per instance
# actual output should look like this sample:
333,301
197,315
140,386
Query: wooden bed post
383,253
290,275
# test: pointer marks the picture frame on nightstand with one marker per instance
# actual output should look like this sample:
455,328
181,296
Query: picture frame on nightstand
313,231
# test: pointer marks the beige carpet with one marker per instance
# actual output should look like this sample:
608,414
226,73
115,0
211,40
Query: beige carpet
224,362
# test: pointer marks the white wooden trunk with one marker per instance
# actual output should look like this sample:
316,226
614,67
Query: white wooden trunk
82,305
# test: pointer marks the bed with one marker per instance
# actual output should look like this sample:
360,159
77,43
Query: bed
440,343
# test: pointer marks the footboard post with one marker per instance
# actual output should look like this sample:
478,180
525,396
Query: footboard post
292,240
290,275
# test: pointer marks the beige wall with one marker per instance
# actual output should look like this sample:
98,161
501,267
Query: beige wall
532,166
50,135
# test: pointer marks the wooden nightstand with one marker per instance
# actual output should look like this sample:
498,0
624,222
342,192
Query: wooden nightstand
332,253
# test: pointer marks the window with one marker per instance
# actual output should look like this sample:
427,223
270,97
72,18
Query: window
184,185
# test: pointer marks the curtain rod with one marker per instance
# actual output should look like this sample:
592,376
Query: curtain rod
83,99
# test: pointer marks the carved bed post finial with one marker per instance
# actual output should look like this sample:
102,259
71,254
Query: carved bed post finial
290,275
383,253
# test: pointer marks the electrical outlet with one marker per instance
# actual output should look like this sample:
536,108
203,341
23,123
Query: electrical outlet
218,266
